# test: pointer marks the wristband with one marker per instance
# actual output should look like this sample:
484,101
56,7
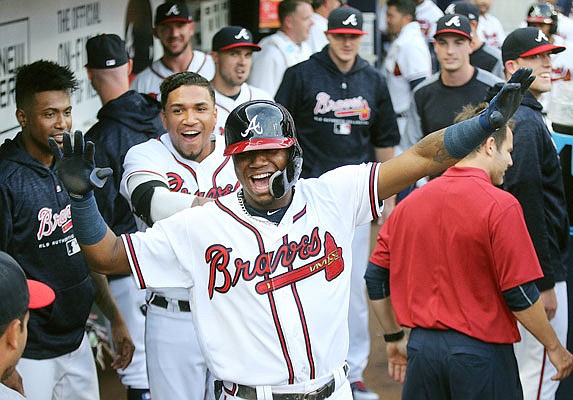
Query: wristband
89,225
394,337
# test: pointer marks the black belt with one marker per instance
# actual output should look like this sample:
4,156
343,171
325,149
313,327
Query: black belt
250,393
162,302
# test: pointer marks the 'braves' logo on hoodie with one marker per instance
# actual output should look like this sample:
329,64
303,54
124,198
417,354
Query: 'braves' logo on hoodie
50,221
355,106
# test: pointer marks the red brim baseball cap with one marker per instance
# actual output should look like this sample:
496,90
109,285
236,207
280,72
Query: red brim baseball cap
454,23
259,144
41,295
345,20
231,37
527,42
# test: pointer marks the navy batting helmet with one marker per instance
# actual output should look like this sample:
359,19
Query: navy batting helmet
265,125
543,13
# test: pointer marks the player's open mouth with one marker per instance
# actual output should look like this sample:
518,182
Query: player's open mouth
190,134
261,181
58,138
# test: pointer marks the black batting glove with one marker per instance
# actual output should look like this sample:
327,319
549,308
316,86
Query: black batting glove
502,107
76,167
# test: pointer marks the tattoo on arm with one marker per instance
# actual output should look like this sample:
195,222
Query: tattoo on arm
433,145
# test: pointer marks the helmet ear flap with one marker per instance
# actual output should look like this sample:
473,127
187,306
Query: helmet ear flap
282,181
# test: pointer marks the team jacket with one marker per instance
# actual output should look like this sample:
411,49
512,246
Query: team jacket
338,116
130,119
36,229
536,180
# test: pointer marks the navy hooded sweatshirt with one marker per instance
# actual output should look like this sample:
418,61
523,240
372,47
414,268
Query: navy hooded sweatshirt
36,229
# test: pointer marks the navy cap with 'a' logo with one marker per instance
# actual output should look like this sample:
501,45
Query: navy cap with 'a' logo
527,42
454,23
230,37
172,11
345,20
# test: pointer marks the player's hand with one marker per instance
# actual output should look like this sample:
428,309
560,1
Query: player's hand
14,382
123,344
396,352
502,107
562,360
549,303
76,166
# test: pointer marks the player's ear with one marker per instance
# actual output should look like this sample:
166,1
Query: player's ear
21,117
511,66
129,66
163,118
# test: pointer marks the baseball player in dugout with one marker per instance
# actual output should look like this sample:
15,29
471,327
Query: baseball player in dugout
543,16
126,118
462,284
174,27
322,9
17,296
233,49
338,101
408,61
535,179
284,48
161,177
490,29
37,231
483,55
437,100
264,287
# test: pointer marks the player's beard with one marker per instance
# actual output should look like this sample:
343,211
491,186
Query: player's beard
173,54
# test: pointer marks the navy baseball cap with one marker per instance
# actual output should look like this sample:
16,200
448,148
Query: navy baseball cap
172,11
465,8
527,42
230,37
106,51
454,23
18,294
345,20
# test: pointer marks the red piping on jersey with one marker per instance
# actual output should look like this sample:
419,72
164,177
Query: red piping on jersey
302,321
219,168
135,263
143,170
373,187
541,375
299,215
229,111
270,294
187,167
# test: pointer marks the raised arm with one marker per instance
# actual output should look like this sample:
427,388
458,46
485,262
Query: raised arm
103,250
442,149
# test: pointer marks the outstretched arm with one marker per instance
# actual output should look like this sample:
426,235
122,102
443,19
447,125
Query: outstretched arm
103,250
442,149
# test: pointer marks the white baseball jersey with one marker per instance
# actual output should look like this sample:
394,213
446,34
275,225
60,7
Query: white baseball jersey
317,38
212,177
264,293
226,104
408,59
8,394
490,30
269,65
427,15
565,27
561,70
149,80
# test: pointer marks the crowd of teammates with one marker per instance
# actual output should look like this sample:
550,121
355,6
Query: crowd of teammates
163,136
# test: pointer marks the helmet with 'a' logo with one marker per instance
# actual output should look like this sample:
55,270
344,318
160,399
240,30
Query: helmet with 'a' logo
543,13
265,125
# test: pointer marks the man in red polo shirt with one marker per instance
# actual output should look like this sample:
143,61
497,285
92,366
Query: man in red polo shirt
459,260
